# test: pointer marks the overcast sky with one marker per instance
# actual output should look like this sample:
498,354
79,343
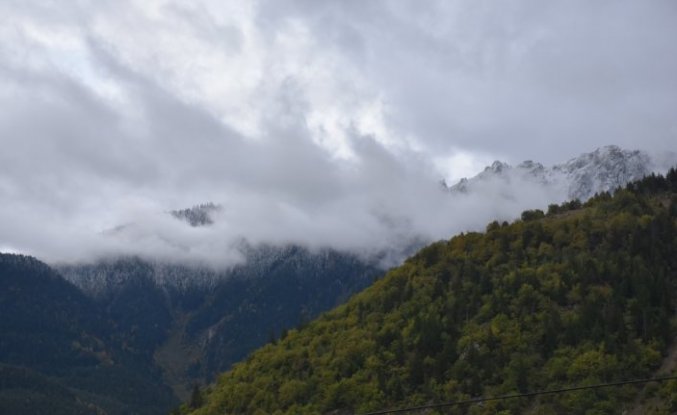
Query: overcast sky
319,122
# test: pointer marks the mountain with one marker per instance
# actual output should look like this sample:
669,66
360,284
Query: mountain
115,335
581,295
199,215
168,312
59,353
24,391
603,170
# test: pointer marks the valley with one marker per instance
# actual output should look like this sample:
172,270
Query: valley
294,207
165,329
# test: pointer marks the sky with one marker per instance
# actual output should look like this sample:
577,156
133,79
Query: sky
325,123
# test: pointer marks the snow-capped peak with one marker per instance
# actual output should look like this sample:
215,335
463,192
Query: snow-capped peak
602,170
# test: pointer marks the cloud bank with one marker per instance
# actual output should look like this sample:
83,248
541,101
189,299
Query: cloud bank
322,123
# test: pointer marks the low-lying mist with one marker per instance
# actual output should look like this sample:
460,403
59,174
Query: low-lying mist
379,208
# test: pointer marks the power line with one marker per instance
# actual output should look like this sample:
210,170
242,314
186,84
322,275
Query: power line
518,395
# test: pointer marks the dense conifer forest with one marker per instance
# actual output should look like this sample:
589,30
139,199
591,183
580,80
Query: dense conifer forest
581,294
60,354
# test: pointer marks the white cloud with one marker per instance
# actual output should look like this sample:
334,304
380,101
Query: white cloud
324,123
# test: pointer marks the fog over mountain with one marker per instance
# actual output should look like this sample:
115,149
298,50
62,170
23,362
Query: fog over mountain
323,124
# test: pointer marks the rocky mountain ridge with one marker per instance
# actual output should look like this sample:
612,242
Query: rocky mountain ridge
603,170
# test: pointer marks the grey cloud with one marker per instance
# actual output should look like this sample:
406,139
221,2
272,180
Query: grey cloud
116,113
509,77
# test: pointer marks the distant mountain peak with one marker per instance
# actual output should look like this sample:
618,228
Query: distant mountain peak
530,165
601,170
497,167
198,215
604,170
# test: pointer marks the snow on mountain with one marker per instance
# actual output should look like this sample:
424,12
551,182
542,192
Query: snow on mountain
602,170
112,274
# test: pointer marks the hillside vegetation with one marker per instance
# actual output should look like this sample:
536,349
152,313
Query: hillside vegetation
579,295
198,322
59,354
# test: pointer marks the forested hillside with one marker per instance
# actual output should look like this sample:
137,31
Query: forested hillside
119,350
198,322
578,295
60,354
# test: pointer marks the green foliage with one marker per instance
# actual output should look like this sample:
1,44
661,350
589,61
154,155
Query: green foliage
581,296
246,309
196,399
535,214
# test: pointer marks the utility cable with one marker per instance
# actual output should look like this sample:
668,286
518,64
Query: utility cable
519,395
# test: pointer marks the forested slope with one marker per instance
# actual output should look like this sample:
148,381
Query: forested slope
60,354
579,295
217,317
